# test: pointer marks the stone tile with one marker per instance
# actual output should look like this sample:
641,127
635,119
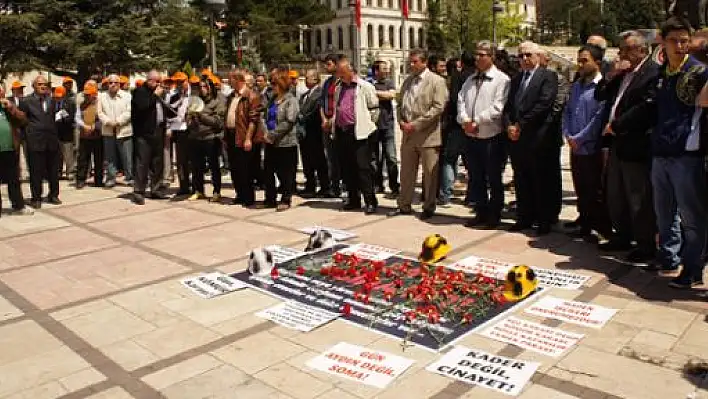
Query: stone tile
81,379
39,369
320,214
479,392
648,338
40,221
50,390
246,321
162,222
129,355
48,245
108,326
110,208
296,383
611,302
536,391
333,333
87,276
255,389
336,394
7,311
219,382
255,353
14,339
81,310
625,378
113,393
226,242
147,304
181,371
611,338
222,308
176,338
512,243
693,341
657,318
424,383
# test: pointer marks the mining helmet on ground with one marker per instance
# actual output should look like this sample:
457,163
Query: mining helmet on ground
520,282
435,248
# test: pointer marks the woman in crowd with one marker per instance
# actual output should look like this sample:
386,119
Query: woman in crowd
204,134
281,143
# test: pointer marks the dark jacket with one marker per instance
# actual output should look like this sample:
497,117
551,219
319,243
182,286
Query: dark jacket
635,113
534,110
65,126
309,120
143,111
208,124
40,133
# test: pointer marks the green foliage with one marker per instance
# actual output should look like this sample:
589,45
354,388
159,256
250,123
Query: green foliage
435,37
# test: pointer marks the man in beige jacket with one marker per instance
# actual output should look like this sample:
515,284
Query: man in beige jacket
117,132
420,105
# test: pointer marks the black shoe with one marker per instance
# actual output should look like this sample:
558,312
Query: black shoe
476,222
54,201
543,229
572,225
306,193
520,226
685,283
351,206
36,204
269,205
641,256
427,215
325,194
579,233
370,209
80,185
615,245
397,212
138,199
183,192
158,195
493,223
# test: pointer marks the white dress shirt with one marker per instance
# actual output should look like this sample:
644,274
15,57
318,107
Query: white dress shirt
623,87
481,100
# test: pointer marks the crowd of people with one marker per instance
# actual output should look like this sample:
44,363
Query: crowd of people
634,128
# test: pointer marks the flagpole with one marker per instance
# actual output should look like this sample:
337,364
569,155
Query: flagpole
404,34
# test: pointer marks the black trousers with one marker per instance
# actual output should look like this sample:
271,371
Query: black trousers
10,174
314,161
255,164
149,156
537,183
242,173
203,151
630,201
182,148
88,149
44,164
587,180
355,163
280,161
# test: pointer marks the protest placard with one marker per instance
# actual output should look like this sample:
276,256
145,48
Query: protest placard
532,336
338,235
498,269
209,285
283,254
369,251
297,316
472,366
580,313
370,367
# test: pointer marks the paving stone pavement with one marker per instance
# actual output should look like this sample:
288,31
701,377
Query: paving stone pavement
91,307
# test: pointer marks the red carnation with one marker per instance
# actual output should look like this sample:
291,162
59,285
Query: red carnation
346,309
398,283
411,316
467,318
300,271
338,257
325,271
274,273
378,264
434,318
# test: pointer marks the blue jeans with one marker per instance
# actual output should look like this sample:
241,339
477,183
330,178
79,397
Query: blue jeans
111,157
486,159
125,148
455,146
680,192
384,149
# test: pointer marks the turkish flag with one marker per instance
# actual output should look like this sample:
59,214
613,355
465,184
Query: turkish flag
404,8
357,14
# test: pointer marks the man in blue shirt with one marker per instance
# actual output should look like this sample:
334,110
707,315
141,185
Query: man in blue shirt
678,169
582,128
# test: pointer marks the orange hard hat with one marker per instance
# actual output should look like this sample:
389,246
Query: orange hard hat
179,76
293,74
59,91
17,85
139,82
104,81
67,79
194,79
124,80
90,89
215,80
207,72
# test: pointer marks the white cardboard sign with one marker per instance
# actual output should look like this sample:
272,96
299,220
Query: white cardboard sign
297,316
209,285
581,313
370,251
498,269
283,254
532,336
476,367
356,363
338,235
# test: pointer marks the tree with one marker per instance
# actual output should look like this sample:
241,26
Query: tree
469,21
435,38
17,32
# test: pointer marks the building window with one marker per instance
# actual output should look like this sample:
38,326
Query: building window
368,3
391,40
369,36
390,4
379,3
318,39
400,36
411,37
339,4
420,5
421,39
308,42
381,36
329,37
340,38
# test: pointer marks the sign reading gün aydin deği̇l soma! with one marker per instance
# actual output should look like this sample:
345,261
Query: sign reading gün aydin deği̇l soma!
428,305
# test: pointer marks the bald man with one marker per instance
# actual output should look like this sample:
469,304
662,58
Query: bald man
149,114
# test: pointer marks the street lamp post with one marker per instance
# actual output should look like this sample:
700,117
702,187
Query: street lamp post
570,20
496,9
213,6
356,51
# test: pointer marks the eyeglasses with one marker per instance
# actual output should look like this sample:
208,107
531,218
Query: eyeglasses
526,55
42,84
481,54
114,83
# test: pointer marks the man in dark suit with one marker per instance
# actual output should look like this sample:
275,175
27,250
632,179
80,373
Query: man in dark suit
42,142
533,140
149,114
311,139
629,93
